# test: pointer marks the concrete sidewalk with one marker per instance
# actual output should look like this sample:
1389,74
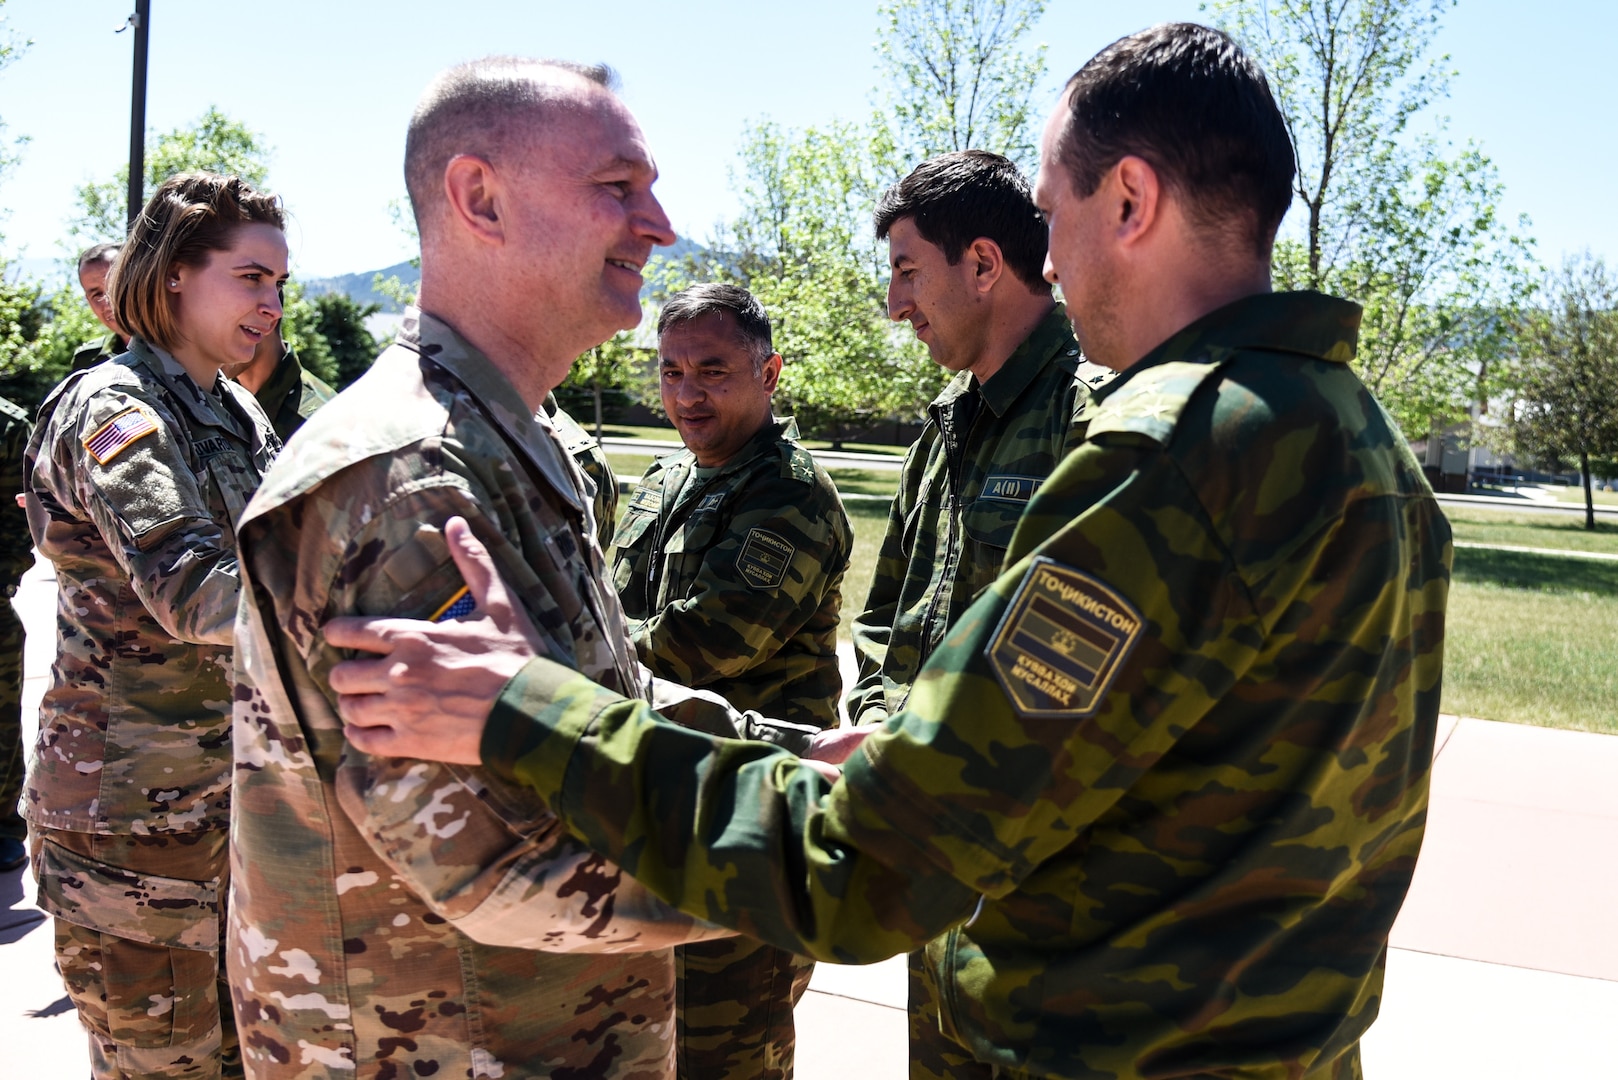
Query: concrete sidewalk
1502,962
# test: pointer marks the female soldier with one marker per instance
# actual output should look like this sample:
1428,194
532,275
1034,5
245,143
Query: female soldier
137,472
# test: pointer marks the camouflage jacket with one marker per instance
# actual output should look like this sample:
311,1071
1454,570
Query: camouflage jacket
984,451
733,583
1164,783
291,395
592,462
94,351
385,912
16,547
135,478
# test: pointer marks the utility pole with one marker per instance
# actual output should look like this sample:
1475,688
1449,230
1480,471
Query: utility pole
141,21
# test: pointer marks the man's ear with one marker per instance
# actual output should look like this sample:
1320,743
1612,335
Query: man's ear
772,372
1137,194
988,263
471,188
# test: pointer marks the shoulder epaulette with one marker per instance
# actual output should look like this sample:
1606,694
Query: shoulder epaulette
1151,402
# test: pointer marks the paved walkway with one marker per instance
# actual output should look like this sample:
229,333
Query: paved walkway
1504,961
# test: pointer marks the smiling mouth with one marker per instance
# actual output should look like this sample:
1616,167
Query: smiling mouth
256,335
624,264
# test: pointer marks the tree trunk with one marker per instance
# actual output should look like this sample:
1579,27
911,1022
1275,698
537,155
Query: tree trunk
595,392
1589,499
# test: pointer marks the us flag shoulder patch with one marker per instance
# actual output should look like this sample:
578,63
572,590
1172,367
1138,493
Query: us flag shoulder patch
119,433
458,606
1062,641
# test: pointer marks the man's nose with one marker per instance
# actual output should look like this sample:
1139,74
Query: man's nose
653,223
898,300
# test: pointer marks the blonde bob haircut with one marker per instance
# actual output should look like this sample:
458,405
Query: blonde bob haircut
190,216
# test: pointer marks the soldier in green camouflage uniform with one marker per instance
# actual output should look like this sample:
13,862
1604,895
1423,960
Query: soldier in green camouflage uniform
1014,408
1164,783
288,393
16,556
137,471
592,461
729,565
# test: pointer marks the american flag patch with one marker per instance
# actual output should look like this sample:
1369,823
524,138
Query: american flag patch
110,440
458,606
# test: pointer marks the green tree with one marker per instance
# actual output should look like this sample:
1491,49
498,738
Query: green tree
329,333
957,77
212,143
605,379
1567,405
38,334
1396,217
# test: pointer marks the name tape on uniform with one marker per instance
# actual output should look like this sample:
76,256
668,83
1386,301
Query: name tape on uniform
118,434
1062,641
764,559
1010,488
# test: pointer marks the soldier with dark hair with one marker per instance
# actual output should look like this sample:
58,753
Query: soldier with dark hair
1165,781
95,264
729,566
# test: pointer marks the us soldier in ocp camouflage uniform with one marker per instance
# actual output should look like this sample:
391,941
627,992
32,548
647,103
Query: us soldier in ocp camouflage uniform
136,473
967,248
95,264
16,556
393,917
1165,782
592,461
729,566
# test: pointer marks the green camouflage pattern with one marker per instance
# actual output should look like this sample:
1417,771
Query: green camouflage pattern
985,449
709,606
137,943
733,582
592,461
387,914
291,395
733,1009
1163,784
94,351
16,556
134,728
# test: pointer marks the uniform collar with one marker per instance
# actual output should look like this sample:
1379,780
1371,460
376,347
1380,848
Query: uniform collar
283,381
1051,337
203,407
1310,325
437,341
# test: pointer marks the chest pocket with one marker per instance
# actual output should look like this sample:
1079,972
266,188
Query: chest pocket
231,482
629,557
683,554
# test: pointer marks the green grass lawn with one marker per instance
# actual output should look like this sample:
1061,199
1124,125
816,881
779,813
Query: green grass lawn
1533,639
1529,528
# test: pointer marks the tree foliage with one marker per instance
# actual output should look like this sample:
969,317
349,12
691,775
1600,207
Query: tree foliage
955,75
603,381
38,335
958,78
1567,404
212,143
1395,217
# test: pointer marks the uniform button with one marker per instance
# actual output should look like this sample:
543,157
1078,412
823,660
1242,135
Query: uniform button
1073,352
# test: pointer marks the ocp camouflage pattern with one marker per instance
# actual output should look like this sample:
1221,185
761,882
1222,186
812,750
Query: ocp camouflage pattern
387,914
985,449
592,461
134,730
734,582
1191,868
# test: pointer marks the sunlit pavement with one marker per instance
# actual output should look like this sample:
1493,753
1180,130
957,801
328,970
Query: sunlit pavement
1504,961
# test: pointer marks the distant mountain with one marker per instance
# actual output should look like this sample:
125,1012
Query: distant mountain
360,286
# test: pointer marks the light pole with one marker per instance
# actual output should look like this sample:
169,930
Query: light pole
141,21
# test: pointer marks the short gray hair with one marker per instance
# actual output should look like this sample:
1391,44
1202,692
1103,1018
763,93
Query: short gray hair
474,108
748,315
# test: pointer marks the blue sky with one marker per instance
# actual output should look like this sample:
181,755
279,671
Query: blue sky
330,85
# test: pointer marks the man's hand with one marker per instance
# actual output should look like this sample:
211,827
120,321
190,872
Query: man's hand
429,692
835,744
